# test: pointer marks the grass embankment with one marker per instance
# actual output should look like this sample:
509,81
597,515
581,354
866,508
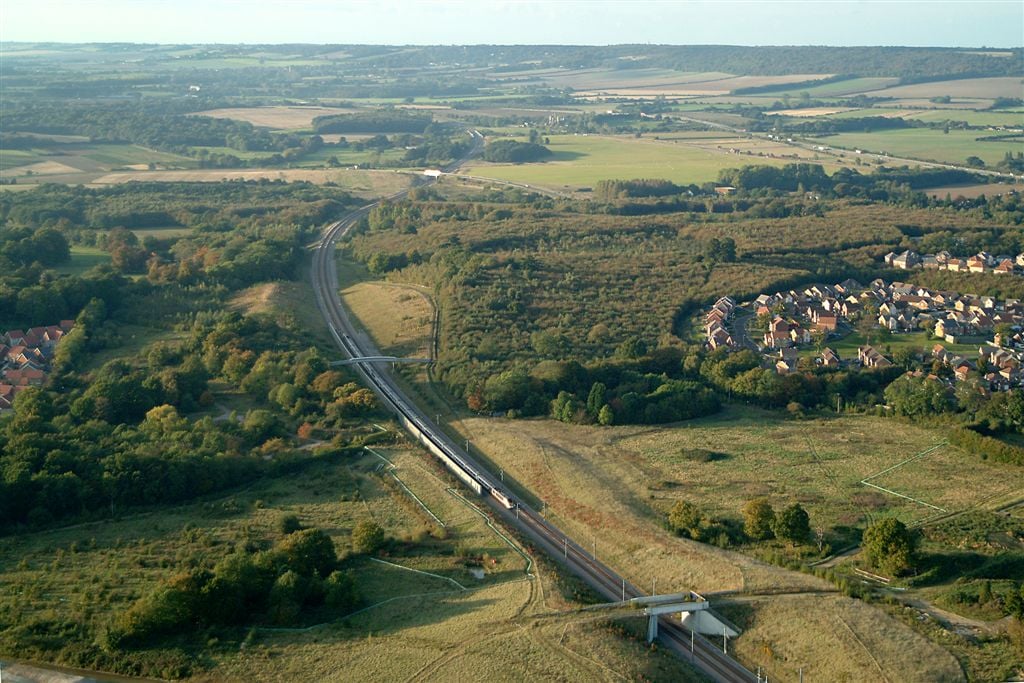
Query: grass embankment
399,318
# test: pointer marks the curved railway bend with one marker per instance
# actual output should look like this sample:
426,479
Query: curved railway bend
706,656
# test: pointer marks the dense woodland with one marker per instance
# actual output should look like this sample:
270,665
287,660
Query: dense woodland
103,437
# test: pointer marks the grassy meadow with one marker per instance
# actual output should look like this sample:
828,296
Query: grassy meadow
927,144
84,258
583,160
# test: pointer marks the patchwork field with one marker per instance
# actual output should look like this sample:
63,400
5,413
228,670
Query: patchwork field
64,158
1009,118
851,86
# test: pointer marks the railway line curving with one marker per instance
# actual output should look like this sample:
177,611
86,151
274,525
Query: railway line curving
511,509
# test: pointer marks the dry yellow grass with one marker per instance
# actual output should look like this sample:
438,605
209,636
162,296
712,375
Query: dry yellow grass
614,485
593,488
42,168
820,463
435,631
852,642
400,318
281,117
987,189
722,86
488,634
287,302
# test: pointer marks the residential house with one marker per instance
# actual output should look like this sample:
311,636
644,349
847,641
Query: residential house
829,358
777,335
871,358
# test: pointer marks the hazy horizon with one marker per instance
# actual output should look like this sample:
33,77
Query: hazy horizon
838,23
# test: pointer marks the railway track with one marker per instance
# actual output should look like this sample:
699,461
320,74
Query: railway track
512,510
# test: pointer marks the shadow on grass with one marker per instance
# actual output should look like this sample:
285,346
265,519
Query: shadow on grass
938,568
565,155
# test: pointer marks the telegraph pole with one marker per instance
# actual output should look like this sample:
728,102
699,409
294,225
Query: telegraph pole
565,547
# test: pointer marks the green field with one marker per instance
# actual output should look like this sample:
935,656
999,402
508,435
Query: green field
583,160
848,345
84,258
927,144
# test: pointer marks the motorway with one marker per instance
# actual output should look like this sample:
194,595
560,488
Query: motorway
545,536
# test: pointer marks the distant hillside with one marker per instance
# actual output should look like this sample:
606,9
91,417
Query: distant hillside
909,63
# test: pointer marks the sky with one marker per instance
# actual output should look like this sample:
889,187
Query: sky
946,23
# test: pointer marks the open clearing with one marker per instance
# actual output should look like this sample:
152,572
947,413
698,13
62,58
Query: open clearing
583,160
809,112
278,118
83,258
362,183
932,114
289,303
851,86
654,82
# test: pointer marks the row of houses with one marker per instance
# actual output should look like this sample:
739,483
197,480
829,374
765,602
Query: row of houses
25,358
982,262
897,307
795,316
715,324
